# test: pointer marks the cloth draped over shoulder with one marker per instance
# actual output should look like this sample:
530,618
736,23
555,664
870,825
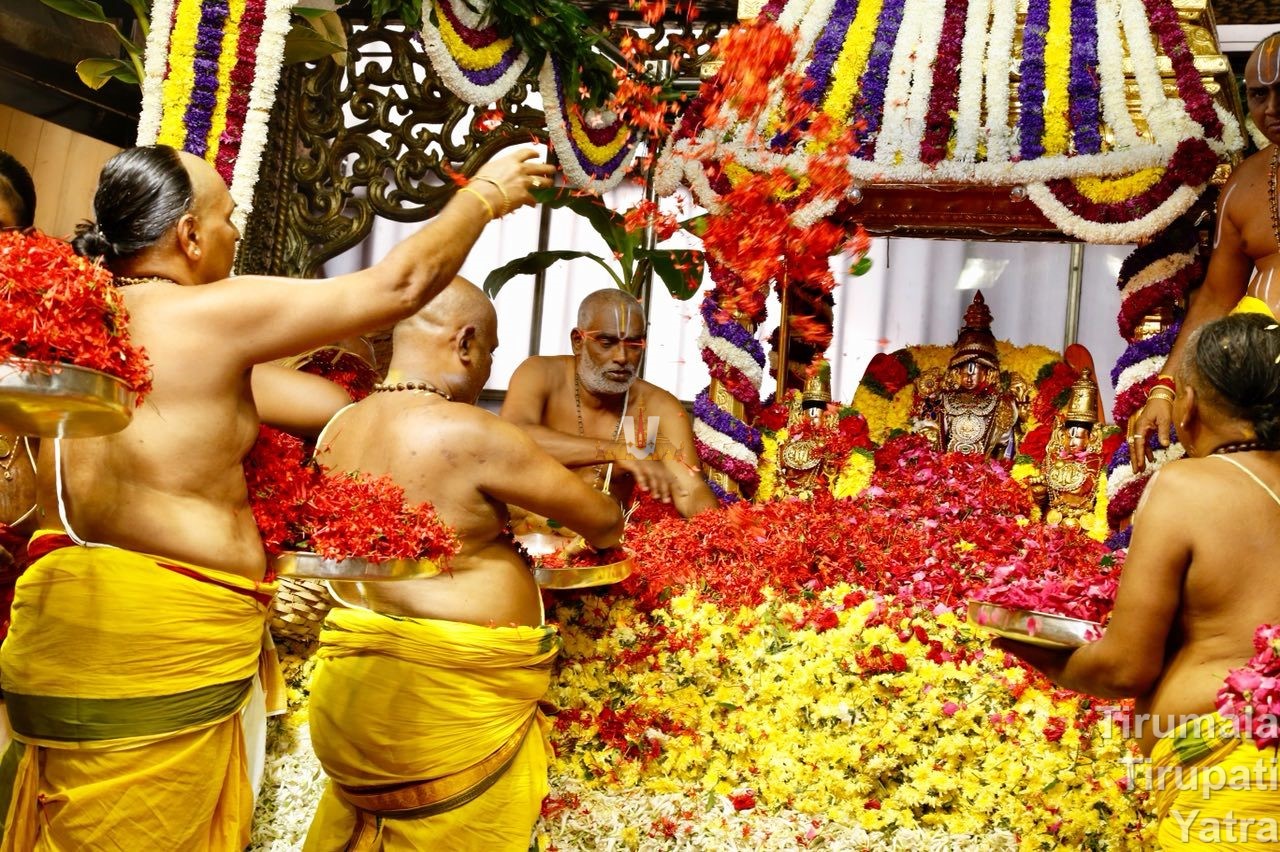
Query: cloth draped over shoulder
124,676
1215,789
430,733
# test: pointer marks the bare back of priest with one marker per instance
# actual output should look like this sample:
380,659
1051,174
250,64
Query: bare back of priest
137,633
430,687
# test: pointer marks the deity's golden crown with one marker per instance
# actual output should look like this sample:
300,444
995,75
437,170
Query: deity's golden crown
976,342
1082,407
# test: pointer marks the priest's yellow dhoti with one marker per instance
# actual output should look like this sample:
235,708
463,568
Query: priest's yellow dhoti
124,675
430,733
1215,789
1253,305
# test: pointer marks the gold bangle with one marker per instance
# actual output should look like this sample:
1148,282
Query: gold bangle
506,199
1162,392
483,200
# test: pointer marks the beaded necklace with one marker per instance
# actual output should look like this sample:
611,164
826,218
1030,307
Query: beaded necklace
1238,447
1271,192
582,430
387,387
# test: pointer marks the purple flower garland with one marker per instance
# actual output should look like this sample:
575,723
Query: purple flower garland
725,423
1140,350
1031,86
875,79
827,50
733,332
1084,87
204,90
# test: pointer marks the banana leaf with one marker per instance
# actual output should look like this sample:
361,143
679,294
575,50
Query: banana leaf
532,264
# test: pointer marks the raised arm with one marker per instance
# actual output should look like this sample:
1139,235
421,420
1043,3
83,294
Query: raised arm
1225,283
297,402
261,319
514,470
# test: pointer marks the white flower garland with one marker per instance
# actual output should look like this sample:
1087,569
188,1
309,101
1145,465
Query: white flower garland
1123,474
737,358
446,67
815,13
1103,233
1115,109
722,443
565,150
1166,119
932,14
156,59
972,63
897,121
262,96
999,61
1138,373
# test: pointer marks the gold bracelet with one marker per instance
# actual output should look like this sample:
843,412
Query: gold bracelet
506,199
483,200
1162,392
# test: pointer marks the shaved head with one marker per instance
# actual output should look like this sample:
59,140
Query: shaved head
1262,87
598,307
1263,67
457,306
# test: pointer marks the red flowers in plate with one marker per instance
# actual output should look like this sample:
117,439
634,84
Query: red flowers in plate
59,308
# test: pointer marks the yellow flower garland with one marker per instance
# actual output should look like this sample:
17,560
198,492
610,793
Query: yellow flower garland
856,474
467,56
852,60
1057,65
1112,190
768,468
181,80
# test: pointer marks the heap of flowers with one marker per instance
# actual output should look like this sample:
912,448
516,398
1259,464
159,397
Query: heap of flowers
59,308
797,674
1250,696
1060,590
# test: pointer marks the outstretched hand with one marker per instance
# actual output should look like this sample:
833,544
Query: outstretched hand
650,475
513,175
1155,416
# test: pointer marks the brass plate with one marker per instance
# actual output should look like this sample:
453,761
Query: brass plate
586,577
312,566
1036,628
61,400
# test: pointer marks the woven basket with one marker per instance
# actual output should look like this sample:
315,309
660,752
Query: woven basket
300,607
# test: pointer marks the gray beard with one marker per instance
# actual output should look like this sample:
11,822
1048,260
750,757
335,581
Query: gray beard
598,383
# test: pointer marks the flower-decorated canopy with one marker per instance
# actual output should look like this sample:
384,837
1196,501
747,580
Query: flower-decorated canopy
1098,108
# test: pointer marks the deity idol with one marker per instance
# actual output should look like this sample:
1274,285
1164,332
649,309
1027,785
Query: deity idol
1073,457
968,409
802,461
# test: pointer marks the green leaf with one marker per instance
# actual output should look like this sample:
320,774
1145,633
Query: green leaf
679,269
95,73
611,226
696,225
303,44
329,26
85,10
862,267
532,264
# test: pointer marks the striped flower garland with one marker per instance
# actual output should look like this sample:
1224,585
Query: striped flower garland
1155,277
210,81
594,150
470,58
926,86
